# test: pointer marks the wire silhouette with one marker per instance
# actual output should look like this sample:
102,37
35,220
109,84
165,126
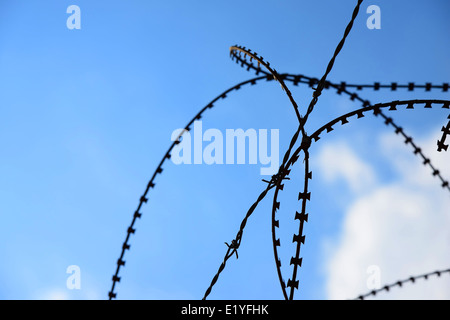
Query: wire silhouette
240,55
400,283
445,132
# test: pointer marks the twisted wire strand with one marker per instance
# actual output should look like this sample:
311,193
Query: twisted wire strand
400,283
235,244
275,180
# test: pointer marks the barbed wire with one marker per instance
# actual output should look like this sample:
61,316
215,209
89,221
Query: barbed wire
151,184
306,195
296,261
159,169
275,180
302,121
342,88
445,132
376,108
236,242
281,172
288,159
253,55
321,83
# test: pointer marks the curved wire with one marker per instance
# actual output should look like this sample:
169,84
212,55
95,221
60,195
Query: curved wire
321,82
235,50
305,195
275,75
400,283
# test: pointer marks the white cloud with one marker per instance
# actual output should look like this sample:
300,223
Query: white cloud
402,227
339,161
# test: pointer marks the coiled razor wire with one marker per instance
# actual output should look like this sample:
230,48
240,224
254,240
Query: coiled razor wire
241,54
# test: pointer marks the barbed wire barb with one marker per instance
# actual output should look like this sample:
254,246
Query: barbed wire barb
400,283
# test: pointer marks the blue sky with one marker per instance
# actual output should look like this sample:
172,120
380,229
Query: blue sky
87,115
